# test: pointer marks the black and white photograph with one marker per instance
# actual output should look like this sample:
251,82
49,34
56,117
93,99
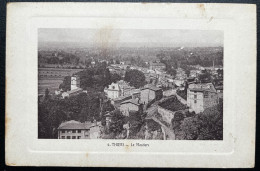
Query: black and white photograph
158,85
143,84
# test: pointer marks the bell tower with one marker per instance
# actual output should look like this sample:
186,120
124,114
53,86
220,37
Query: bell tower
75,82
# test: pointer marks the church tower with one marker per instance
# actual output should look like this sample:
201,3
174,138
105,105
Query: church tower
75,82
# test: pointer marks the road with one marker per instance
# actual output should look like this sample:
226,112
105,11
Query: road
151,111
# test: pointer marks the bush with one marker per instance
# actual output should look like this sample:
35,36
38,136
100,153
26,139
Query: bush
173,104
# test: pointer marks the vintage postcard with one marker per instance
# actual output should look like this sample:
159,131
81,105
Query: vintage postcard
138,85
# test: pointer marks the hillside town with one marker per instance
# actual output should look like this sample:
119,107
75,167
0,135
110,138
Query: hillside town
113,99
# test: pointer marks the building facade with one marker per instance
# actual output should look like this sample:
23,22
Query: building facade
75,82
131,105
77,130
74,130
71,93
113,91
118,89
159,66
201,96
150,92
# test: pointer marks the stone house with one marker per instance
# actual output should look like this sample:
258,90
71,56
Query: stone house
131,105
118,89
160,66
201,96
71,93
150,92
77,130
74,130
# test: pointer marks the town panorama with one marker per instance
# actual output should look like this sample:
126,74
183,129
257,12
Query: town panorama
130,92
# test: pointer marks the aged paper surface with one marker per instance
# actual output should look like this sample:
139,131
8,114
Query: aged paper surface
230,27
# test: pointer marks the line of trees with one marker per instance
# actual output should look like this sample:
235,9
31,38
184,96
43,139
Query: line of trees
83,107
94,78
135,78
207,125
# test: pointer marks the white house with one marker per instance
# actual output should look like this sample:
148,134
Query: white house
118,89
72,92
75,82
201,96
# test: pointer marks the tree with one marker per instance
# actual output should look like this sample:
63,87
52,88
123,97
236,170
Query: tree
117,122
66,84
115,77
171,71
135,78
220,73
107,78
207,125
47,94
205,77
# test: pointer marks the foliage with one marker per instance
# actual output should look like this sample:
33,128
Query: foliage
47,94
182,93
135,78
94,78
82,107
204,126
66,84
205,77
61,57
117,122
191,56
173,104
136,120
115,77
152,125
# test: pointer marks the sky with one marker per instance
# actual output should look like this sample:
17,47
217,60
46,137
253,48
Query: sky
136,37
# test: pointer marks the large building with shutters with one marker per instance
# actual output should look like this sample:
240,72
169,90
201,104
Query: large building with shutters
201,96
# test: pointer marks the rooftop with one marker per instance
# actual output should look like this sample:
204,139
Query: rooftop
75,125
74,91
122,97
202,87
151,87
133,101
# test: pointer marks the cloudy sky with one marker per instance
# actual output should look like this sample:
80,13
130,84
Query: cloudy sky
119,37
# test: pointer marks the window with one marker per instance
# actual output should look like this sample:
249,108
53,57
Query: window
79,137
63,131
62,137
73,137
79,131
195,96
195,101
73,131
68,137
206,94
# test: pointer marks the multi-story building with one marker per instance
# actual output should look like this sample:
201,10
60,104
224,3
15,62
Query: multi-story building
75,82
201,96
159,66
74,130
75,87
131,105
71,93
77,130
150,92
118,89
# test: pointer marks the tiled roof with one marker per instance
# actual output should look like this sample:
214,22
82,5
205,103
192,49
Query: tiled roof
75,125
74,91
151,87
202,87
122,97
133,101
